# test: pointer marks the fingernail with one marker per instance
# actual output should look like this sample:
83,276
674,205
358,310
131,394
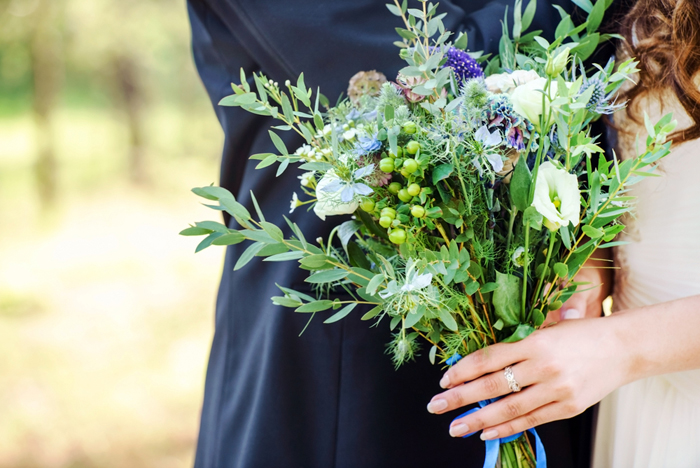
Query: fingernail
445,381
488,435
459,430
571,314
437,405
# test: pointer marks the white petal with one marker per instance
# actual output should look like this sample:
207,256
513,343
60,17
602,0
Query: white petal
496,162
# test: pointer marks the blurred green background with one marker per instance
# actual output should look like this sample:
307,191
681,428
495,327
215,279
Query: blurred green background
106,314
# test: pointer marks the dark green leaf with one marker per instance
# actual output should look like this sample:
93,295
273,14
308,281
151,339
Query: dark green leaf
520,185
441,172
507,298
520,333
357,256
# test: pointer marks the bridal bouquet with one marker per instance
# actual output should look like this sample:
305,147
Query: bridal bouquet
476,185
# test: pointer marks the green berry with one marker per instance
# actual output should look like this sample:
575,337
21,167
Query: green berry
411,165
413,190
386,165
385,222
404,196
389,212
397,236
418,211
394,188
409,127
367,205
412,147
399,153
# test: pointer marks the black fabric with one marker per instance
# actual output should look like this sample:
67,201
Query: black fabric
330,398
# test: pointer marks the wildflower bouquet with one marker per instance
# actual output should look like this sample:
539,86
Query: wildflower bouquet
475,182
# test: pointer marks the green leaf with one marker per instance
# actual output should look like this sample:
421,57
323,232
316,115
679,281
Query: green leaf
282,167
507,298
488,287
206,242
272,249
592,232
413,318
328,276
212,192
279,144
595,17
462,42
372,313
441,172
317,262
431,354
268,161
585,5
520,333
232,238
520,185
529,14
235,209
272,230
248,255
347,230
374,283
447,318
213,226
342,313
537,317
316,306
286,256
195,231
393,9
285,302
561,269
357,256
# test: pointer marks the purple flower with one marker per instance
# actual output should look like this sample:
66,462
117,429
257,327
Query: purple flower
464,66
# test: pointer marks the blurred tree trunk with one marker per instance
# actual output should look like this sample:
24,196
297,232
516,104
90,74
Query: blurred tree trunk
47,71
131,95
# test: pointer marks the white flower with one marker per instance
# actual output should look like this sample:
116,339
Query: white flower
527,100
306,178
349,134
329,203
488,139
413,282
507,82
294,203
519,256
557,196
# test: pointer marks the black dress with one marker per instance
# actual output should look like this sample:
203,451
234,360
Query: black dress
330,398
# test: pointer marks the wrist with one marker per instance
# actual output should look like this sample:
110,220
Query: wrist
629,347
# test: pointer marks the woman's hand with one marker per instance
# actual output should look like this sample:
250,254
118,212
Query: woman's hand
562,370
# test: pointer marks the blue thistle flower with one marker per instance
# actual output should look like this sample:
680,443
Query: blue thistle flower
464,66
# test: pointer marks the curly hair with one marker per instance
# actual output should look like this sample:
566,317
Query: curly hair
664,35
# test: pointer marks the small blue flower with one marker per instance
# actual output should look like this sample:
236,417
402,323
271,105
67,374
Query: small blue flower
368,144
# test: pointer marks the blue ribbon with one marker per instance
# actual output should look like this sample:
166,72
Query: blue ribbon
493,446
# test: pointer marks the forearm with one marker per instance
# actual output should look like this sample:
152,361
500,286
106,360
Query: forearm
659,339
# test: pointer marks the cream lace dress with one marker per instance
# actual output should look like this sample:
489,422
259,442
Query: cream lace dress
655,422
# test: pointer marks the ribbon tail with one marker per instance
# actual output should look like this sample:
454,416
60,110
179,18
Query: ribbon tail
492,449
539,450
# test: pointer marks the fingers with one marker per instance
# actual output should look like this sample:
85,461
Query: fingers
489,386
544,414
498,414
481,362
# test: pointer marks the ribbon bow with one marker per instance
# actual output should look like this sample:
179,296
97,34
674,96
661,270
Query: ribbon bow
493,446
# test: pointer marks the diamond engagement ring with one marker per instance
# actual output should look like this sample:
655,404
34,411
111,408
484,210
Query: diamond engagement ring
512,383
